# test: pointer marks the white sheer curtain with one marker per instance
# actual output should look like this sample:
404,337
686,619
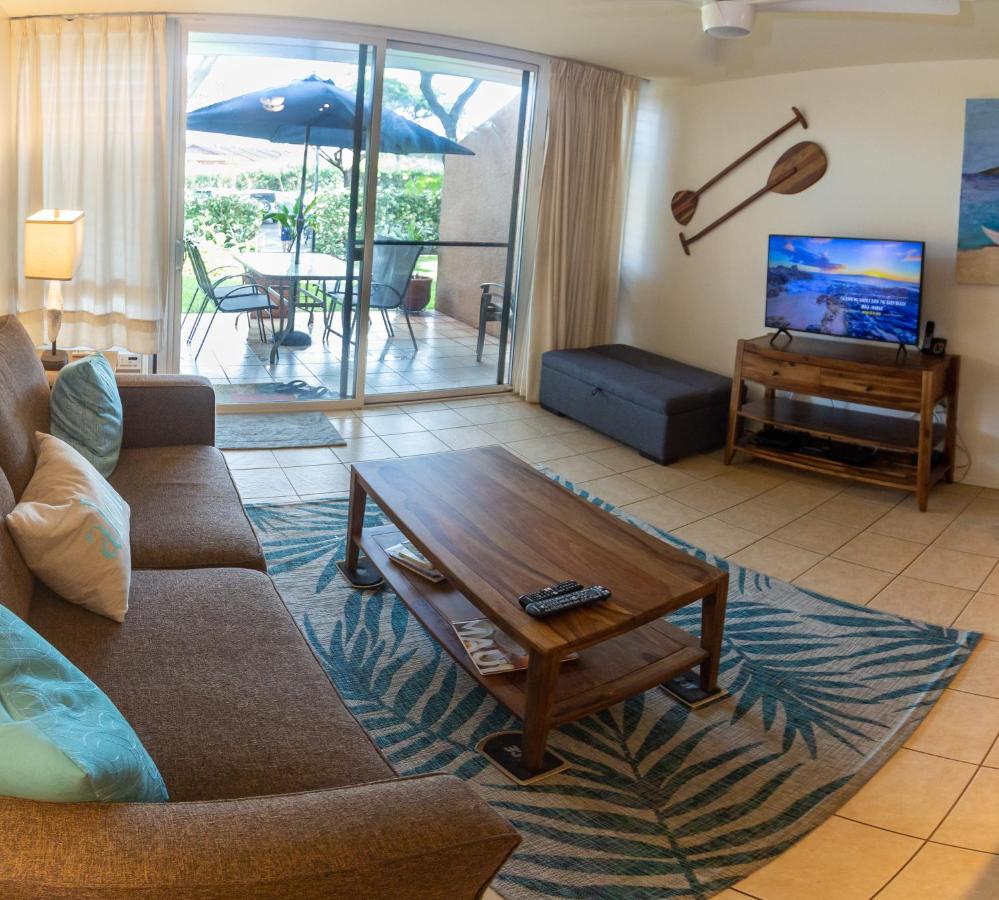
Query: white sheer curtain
91,133
591,123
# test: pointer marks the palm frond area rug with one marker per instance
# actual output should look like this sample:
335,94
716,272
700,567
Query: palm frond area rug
658,801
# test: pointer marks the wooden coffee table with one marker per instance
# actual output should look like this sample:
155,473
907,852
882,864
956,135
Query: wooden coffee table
497,528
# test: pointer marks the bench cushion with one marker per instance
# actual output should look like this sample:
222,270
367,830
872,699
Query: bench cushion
186,511
221,687
643,378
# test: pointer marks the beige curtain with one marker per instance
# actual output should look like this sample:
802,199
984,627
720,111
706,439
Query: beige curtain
591,123
91,133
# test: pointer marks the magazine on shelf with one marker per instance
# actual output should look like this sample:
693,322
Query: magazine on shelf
493,651
406,555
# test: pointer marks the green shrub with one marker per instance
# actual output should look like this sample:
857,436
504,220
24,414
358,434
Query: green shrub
224,221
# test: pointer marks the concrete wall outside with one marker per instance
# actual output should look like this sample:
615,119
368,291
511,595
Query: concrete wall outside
475,206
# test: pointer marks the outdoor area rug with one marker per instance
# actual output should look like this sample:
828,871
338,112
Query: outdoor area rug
658,801
274,431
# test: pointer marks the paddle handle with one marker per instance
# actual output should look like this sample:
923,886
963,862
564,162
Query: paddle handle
685,241
798,118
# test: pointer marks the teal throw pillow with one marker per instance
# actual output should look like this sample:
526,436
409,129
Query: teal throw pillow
61,739
86,413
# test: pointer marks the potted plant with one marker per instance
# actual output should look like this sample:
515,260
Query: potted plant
417,295
287,217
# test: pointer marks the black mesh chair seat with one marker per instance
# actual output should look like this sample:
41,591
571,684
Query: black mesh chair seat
243,297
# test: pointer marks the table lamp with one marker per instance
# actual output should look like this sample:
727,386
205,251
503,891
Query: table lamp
53,242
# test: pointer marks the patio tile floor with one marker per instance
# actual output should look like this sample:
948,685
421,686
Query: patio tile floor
445,355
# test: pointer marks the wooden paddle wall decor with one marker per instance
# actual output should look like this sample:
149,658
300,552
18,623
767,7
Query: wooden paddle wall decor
798,168
684,203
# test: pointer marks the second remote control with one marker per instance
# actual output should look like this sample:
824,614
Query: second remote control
546,593
543,608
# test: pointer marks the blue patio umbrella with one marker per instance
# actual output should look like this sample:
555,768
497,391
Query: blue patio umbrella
313,111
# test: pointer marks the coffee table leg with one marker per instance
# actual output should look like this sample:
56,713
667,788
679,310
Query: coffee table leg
712,627
542,674
360,573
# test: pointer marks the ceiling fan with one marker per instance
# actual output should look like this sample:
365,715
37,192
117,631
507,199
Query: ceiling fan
735,18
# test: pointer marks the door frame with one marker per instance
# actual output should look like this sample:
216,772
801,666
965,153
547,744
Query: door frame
379,38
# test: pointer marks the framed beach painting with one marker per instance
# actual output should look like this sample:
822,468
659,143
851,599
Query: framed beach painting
978,224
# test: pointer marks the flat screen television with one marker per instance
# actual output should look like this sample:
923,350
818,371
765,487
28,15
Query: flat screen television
847,287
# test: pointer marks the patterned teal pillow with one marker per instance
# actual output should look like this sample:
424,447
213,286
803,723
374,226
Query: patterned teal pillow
61,739
86,411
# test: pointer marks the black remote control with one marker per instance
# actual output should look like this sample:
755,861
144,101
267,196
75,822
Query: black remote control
546,593
542,608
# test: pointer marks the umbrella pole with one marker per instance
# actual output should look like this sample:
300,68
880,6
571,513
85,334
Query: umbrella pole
300,218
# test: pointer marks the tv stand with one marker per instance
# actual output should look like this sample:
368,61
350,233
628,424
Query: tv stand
913,452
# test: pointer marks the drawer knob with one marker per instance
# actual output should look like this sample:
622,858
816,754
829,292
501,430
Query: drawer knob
775,372
868,387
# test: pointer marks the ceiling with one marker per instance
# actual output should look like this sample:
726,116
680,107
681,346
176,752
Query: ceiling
638,36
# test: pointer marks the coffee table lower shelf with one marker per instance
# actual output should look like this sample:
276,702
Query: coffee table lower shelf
604,674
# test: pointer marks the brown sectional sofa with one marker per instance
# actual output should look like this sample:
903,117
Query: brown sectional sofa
276,790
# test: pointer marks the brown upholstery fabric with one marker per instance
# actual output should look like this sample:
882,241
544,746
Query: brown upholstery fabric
424,838
16,581
167,410
24,403
186,511
220,685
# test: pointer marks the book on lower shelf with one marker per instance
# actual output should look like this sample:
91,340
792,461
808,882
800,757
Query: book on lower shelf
492,650
406,555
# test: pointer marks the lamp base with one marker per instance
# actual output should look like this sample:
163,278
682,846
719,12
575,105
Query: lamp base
54,360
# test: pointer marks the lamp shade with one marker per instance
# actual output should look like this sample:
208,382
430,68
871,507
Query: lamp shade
53,242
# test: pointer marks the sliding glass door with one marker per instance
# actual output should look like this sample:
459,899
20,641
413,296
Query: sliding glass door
277,155
352,217
445,259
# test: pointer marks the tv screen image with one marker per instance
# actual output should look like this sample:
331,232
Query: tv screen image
847,287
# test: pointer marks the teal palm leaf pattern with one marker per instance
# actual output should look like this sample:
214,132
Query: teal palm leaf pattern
658,801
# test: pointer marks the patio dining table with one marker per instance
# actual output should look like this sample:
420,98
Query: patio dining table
278,270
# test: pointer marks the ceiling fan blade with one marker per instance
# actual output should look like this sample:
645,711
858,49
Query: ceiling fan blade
894,7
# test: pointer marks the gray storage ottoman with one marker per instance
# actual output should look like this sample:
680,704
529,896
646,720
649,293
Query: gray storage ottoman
664,409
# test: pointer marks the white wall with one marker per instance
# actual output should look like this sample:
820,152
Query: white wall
893,135
6,175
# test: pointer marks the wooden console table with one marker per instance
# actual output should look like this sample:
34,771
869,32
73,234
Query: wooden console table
913,452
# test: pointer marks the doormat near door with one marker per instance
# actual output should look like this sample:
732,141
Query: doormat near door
275,431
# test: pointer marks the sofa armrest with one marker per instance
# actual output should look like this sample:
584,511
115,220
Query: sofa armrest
167,410
420,838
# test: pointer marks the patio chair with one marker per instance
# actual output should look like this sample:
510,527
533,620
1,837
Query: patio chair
391,271
238,298
490,310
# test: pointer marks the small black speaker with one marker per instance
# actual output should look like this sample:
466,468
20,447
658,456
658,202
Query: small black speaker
928,336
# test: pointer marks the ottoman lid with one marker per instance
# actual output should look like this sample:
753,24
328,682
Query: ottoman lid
643,378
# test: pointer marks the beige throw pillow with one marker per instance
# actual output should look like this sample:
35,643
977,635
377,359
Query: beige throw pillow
71,527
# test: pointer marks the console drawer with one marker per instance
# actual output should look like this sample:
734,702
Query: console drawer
781,374
881,388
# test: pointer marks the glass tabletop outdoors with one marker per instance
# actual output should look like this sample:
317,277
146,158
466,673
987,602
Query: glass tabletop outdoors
311,266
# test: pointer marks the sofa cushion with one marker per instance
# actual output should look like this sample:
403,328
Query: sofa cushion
25,407
646,379
85,409
218,682
16,581
71,527
61,739
186,511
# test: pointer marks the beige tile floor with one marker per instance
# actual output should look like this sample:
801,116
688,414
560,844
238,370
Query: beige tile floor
926,827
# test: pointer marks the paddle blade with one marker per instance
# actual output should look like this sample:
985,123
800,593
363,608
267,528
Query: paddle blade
798,168
684,205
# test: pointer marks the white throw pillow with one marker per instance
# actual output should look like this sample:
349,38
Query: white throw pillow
71,527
